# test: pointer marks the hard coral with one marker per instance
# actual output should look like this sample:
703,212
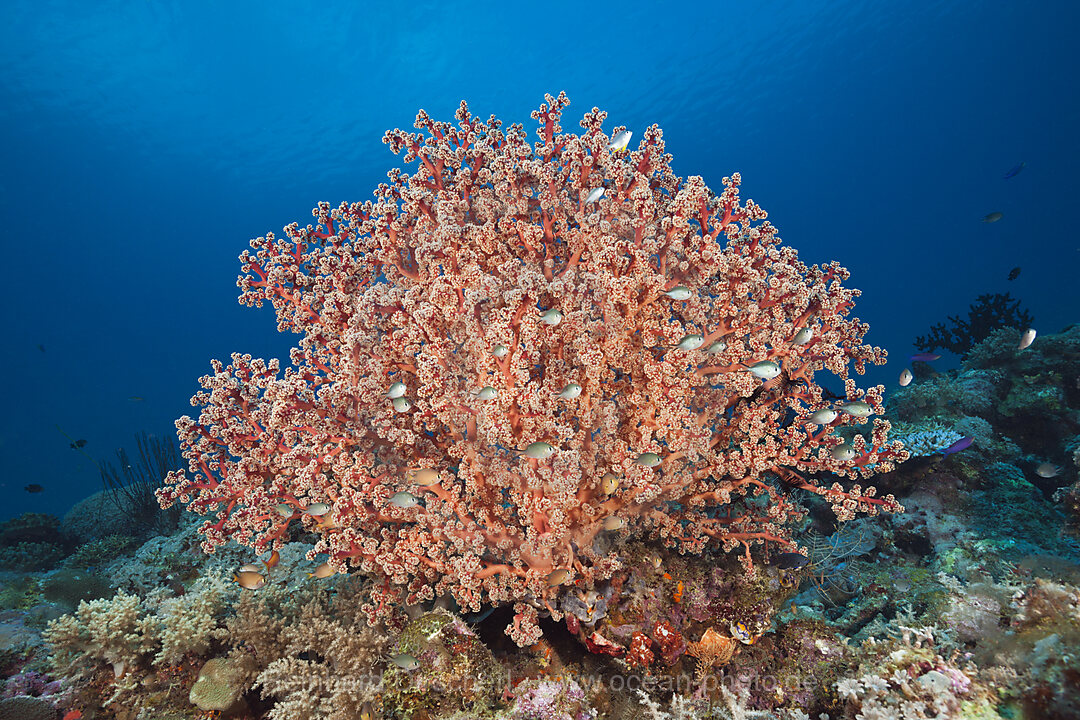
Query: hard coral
455,670
514,322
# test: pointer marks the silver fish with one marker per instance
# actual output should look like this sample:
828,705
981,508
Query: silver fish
404,499
766,369
857,408
405,661
551,317
620,141
539,451
1047,470
803,336
843,453
649,459
679,292
691,342
570,392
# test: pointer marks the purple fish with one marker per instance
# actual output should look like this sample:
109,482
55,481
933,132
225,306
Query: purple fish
925,357
961,444
1016,170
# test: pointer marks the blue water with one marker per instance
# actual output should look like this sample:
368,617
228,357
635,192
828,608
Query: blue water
143,144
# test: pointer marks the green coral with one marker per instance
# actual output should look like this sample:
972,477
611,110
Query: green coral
20,594
99,552
30,556
456,671
70,587
220,684
1038,394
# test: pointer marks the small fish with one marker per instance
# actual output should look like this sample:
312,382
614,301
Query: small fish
78,444
570,392
1014,273
649,459
766,369
824,416
741,633
404,499
614,522
284,509
594,195
322,571
405,661
557,577
1026,339
992,217
366,712
41,347
499,351
790,560
33,488
539,451
961,444
717,347
1014,171
857,408
803,336
679,292
620,141
135,398
1047,470
396,390
317,509
249,580
690,342
487,393
905,377
273,560
402,404
609,483
250,568
843,453
551,317
424,477
924,357
72,715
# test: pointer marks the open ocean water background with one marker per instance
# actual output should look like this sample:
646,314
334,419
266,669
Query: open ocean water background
143,143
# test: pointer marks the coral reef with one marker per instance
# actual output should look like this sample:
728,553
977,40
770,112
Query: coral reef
564,593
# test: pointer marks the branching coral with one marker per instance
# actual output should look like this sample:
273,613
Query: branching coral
504,330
